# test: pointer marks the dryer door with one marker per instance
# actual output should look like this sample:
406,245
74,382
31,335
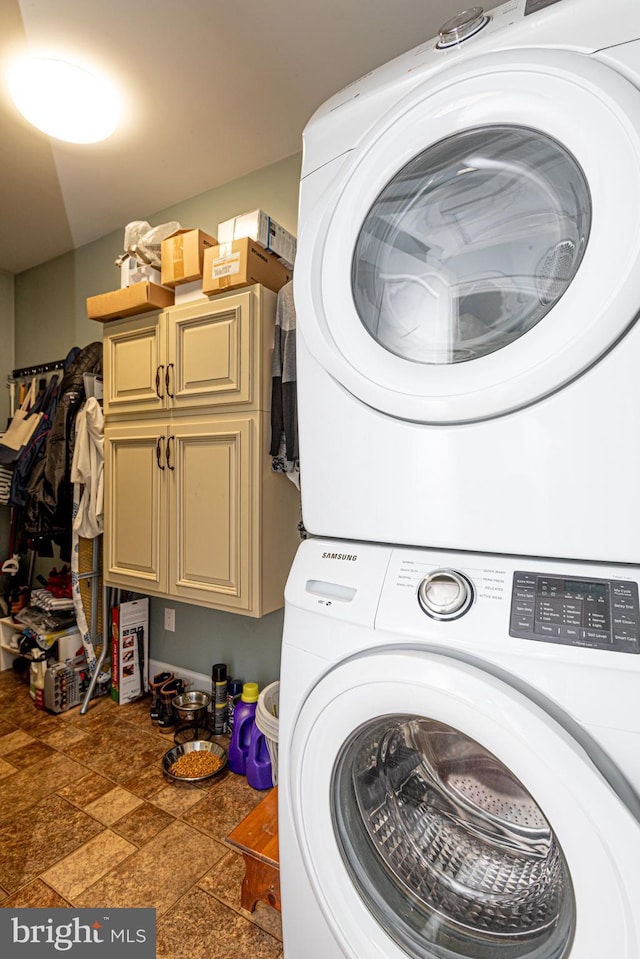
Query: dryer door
480,249
441,813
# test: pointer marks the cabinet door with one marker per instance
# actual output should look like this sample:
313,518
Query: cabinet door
135,370
210,466
210,352
135,507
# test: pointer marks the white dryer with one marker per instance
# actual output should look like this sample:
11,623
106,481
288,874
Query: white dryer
467,287
459,756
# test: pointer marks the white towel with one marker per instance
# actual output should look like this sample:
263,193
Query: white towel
87,468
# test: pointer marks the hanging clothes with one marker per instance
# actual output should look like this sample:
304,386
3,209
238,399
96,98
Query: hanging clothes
284,410
87,469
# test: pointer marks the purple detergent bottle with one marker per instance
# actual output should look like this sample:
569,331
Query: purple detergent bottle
243,721
259,760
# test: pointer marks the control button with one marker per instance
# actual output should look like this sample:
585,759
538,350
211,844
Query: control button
523,623
525,594
594,635
526,609
445,594
569,632
461,27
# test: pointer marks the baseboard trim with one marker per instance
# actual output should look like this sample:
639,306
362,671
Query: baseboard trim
195,680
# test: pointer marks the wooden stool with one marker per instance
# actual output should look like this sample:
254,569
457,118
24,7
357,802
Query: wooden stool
257,839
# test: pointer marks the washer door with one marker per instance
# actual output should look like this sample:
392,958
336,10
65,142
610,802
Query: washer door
480,250
440,813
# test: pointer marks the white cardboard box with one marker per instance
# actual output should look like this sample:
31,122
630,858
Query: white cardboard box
258,226
129,650
133,272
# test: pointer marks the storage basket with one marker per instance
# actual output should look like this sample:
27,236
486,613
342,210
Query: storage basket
266,720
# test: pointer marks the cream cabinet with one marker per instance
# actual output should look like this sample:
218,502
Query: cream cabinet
193,510
200,355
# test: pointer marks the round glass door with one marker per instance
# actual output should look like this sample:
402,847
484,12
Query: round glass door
471,244
445,845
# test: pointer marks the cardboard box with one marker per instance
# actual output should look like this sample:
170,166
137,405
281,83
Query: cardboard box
242,263
182,256
259,226
139,298
129,650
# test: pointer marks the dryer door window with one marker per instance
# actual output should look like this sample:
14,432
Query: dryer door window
446,846
471,244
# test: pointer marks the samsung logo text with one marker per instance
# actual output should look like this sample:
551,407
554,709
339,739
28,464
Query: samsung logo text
351,557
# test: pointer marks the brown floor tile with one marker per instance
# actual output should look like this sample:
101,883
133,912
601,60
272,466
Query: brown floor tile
113,805
158,873
86,789
117,750
200,927
37,895
14,739
35,839
224,807
6,769
142,824
30,754
64,736
23,789
6,727
148,782
73,874
166,849
224,882
177,798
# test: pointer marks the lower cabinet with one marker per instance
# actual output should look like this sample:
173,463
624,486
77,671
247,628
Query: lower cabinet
194,512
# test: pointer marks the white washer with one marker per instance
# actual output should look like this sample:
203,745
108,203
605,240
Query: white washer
467,287
459,756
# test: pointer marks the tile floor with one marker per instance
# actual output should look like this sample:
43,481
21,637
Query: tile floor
88,819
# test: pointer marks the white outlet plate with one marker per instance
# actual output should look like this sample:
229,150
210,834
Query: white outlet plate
170,620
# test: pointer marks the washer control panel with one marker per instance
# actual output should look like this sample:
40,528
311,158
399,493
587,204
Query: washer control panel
597,613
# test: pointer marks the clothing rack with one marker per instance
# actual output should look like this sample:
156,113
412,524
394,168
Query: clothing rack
26,371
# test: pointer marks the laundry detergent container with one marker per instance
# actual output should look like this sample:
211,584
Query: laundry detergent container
262,762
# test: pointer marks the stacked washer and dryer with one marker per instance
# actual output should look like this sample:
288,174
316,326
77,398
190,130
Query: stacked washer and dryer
459,741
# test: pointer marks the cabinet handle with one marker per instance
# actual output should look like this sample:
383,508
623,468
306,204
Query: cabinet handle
166,381
170,442
158,381
158,453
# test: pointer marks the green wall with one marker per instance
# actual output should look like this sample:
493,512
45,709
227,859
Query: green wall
49,316
7,364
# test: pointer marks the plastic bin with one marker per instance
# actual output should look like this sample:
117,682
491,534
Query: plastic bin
266,719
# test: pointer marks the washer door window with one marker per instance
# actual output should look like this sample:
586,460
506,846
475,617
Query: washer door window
432,826
470,245
479,249
439,812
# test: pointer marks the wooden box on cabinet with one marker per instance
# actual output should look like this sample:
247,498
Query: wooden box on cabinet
193,510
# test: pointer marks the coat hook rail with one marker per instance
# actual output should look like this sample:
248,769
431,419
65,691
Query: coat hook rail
35,370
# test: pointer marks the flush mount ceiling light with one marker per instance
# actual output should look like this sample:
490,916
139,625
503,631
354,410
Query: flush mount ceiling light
64,100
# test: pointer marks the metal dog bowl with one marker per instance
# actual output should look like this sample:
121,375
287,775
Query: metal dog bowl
191,706
197,745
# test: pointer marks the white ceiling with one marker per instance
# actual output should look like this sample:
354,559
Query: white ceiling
214,90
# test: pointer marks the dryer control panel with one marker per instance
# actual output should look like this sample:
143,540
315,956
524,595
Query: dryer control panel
601,614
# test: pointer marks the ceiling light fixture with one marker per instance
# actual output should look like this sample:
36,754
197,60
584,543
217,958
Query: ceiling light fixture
64,100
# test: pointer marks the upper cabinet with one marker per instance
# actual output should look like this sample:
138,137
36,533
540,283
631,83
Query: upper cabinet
193,510
203,354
